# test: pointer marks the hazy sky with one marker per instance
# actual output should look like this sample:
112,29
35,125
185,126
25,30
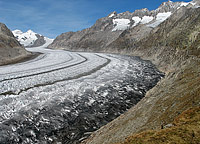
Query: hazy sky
53,17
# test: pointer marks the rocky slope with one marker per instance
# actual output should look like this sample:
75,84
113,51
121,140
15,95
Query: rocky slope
106,30
30,38
10,48
174,47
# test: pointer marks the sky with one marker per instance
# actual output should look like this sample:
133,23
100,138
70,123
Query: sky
53,17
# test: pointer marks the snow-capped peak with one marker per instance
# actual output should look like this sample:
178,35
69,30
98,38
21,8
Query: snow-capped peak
112,14
17,31
29,38
31,32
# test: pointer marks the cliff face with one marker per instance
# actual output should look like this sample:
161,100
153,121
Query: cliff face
94,38
10,48
174,47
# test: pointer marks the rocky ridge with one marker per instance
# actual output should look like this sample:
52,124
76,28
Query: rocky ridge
10,49
106,30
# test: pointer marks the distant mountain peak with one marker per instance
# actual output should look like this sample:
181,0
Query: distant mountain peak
30,31
17,31
30,38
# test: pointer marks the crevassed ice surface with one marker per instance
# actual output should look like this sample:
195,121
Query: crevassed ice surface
63,96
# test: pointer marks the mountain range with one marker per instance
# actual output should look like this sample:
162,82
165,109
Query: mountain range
30,38
106,31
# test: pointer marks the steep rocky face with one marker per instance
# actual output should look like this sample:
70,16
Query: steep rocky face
96,37
108,29
30,38
39,41
174,47
5,31
196,1
10,48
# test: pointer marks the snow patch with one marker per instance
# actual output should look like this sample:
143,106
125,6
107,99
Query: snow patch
160,18
187,3
17,31
146,19
121,24
112,15
136,20
184,4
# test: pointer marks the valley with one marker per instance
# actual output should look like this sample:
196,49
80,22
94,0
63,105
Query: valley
63,94
132,77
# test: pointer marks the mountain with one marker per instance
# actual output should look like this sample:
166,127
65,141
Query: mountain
171,109
108,29
30,38
10,49
169,37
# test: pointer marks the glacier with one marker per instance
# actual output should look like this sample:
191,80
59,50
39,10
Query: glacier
63,94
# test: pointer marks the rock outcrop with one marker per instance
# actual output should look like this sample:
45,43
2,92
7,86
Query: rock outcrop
10,49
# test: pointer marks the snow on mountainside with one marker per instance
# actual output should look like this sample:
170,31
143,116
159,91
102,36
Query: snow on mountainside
161,17
30,38
104,34
144,16
121,24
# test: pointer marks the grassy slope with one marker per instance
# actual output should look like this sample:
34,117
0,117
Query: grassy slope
186,130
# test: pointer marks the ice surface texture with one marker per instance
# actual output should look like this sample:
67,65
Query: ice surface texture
62,96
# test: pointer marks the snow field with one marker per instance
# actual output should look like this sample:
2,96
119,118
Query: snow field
121,24
161,17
